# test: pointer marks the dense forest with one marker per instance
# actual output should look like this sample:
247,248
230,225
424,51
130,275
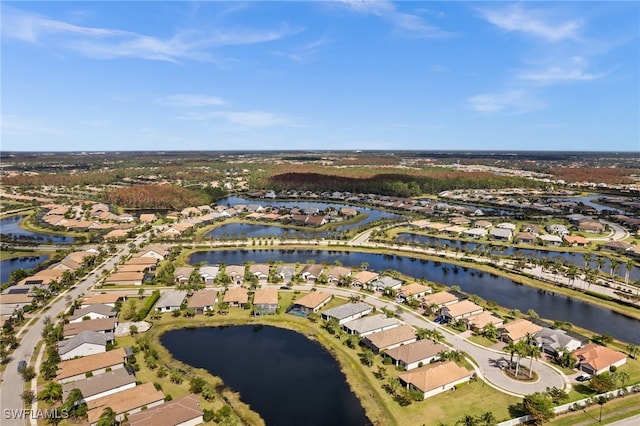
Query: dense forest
157,197
608,175
402,185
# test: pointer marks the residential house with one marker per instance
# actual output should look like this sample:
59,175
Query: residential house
133,268
209,273
261,271
311,302
436,378
185,411
150,262
336,273
364,278
170,301
459,220
311,272
236,273
505,225
460,310
478,322
557,229
369,325
476,232
83,344
595,359
109,299
92,312
236,297
104,325
347,312
182,274
416,354
551,240
316,220
348,212
116,234
125,402
156,251
576,241
265,301
385,282
148,217
203,301
591,226
517,330
501,234
285,272
78,368
389,339
617,246
102,385
440,299
125,278
485,224
413,291
553,341
525,238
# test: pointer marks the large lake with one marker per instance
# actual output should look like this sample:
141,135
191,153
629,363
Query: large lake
10,226
501,290
285,377
7,266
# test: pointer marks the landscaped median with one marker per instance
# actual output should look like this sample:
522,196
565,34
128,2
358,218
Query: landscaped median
369,383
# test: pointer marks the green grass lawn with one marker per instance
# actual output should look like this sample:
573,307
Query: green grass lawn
611,412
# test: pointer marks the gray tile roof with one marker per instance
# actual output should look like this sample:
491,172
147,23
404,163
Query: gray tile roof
368,324
82,338
347,310
101,383
171,298
98,308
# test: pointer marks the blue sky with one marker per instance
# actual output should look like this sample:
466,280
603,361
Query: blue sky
320,75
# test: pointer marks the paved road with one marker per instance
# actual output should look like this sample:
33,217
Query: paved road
12,384
488,361
631,421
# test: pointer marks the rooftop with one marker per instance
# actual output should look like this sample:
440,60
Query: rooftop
73,367
171,298
169,414
433,376
368,324
313,299
416,351
347,310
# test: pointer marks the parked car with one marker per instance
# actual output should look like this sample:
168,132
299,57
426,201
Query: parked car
583,378
440,320
22,365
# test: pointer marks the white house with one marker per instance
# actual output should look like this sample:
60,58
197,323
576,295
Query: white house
433,379
170,301
98,386
83,344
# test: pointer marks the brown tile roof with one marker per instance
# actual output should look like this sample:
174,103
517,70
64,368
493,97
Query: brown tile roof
338,272
483,319
103,324
260,268
236,295
132,268
203,298
416,351
519,329
103,298
439,298
434,376
124,401
169,414
266,296
313,300
124,277
234,270
73,367
141,261
384,339
15,299
575,239
414,288
462,308
364,276
598,357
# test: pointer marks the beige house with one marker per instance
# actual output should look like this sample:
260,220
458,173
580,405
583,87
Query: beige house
237,296
77,369
416,354
479,321
440,299
311,302
517,330
125,278
203,300
389,339
414,291
108,299
460,310
265,301
433,379
185,411
128,401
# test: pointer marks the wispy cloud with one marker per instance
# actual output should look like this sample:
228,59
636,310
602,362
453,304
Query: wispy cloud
304,53
192,100
573,71
533,21
12,125
109,43
405,23
242,118
510,101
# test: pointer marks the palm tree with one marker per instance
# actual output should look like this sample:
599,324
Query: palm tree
627,270
422,333
107,418
633,350
488,419
534,352
51,392
600,260
467,420
511,348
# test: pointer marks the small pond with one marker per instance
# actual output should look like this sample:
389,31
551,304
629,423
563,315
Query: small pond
26,262
285,377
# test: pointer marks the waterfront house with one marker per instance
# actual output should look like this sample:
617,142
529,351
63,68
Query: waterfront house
551,240
416,354
185,411
369,325
286,272
209,273
203,301
460,310
104,325
347,312
440,299
84,343
265,301
413,291
389,339
436,378
577,240
553,340
126,402
236,273
364,278
595,359
479,321
311,302
385,282
102,385
501,234
78,368
517,330
337,272
311,272
170,301
236,297
261,271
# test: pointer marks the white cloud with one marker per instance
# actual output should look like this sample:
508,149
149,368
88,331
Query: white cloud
535,22
192,100
106,43
510,101
574,70
304,53
408,24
